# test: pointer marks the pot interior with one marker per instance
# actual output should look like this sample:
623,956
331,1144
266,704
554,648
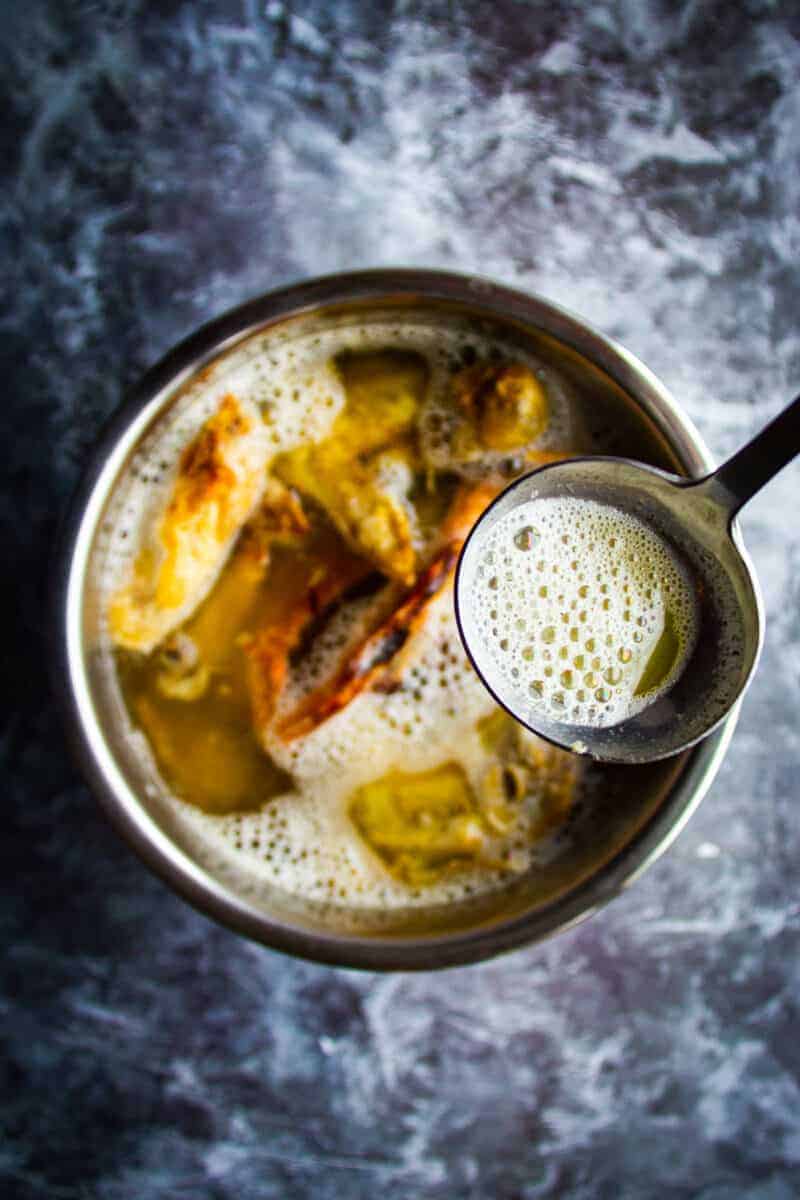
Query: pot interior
620,803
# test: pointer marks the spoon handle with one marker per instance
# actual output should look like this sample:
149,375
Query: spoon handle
755,464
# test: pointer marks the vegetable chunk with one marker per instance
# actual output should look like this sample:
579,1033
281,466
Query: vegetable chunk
421,824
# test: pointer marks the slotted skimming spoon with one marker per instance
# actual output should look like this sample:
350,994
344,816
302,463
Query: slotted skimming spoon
697,518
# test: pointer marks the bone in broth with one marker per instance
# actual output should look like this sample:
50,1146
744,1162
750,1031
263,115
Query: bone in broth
586,613
278,600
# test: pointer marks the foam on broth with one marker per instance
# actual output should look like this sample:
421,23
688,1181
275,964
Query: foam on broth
587,614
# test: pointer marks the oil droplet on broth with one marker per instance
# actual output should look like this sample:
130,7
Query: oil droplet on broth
662,660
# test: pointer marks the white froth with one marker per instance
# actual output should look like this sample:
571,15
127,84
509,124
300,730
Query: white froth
303,842
570,600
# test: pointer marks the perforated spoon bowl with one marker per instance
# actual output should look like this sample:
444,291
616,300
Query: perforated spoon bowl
698,519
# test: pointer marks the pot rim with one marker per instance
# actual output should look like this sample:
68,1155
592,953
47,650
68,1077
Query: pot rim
375,952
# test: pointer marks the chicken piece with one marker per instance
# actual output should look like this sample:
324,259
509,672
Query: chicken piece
468,504
269,648
391,481
205,645
369,510
427,825
279,520
366,664
220,480
420,826
502,408
361,473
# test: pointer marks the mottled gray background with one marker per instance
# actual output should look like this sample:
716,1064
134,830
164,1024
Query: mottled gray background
636,160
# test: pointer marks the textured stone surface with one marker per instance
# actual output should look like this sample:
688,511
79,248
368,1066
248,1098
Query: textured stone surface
635,160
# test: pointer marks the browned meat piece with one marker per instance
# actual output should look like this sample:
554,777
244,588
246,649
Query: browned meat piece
366,665
363,666
268,651
505,407
279,520
220,480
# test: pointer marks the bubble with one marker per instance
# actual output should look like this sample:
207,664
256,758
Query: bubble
526,538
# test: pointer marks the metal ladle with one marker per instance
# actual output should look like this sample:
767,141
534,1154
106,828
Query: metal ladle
697,519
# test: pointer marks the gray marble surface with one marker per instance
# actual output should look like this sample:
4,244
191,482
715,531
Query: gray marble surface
636,160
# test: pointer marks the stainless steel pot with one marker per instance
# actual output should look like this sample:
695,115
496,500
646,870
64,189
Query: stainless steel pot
645,807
